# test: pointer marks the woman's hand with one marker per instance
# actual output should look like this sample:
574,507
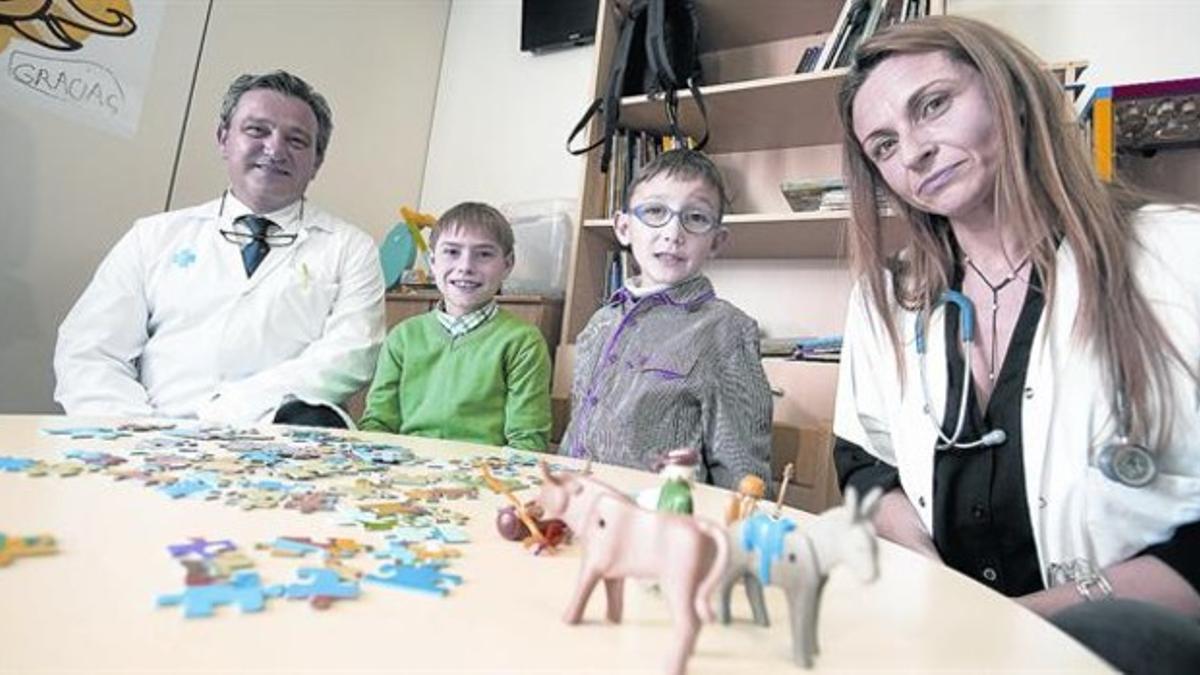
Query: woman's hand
1143,578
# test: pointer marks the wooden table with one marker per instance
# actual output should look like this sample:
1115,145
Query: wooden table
91,608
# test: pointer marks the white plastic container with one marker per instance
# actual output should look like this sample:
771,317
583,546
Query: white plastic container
542,234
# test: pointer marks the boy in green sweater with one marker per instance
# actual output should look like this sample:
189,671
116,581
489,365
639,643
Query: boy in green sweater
467,370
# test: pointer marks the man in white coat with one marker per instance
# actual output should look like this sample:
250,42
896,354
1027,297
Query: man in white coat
254,307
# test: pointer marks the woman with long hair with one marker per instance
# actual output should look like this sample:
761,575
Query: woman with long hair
1022,377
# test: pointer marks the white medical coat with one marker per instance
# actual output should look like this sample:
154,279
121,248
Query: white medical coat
1066,414
171,327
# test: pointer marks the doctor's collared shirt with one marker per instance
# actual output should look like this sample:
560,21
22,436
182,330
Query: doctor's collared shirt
171,326
671,368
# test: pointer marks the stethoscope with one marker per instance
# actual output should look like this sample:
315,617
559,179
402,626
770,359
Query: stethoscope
1120,461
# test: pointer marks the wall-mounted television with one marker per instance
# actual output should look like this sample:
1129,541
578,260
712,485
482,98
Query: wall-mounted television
554,24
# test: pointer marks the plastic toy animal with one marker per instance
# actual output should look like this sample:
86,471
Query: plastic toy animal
685,555
768,550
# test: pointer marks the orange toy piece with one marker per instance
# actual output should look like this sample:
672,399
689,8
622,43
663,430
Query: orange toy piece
750,489
12,548
685,554
535,533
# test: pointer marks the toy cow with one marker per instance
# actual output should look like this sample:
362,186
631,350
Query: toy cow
685,555
769,550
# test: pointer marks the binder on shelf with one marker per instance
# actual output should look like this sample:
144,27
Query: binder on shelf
873,20
856,24
831,41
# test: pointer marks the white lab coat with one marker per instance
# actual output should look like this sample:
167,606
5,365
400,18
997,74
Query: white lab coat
171,327
1066,416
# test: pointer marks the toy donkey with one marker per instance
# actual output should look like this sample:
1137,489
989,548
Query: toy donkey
767,550
685,555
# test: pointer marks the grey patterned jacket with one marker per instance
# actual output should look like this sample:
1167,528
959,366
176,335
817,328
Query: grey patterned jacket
676,368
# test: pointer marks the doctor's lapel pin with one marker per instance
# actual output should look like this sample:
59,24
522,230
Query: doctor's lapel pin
183,258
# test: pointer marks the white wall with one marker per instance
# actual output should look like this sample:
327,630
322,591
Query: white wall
1124,41
502,115
378,65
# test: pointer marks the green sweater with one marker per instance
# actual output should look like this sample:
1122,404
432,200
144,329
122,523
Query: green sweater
490,386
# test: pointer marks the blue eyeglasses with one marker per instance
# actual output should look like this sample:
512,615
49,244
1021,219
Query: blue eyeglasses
692,219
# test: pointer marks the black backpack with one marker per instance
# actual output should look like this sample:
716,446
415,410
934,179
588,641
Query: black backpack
657,53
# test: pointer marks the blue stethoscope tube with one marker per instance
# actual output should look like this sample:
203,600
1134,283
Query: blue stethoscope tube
966,330
1121,461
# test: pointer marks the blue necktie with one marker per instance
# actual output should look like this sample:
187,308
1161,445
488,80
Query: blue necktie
254,252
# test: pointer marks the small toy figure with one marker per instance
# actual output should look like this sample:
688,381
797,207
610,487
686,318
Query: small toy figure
750,489
523,522
766,549
686,555
677,468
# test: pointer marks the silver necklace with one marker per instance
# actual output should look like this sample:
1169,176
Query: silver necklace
995,289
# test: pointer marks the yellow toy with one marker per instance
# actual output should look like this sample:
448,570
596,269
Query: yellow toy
12,548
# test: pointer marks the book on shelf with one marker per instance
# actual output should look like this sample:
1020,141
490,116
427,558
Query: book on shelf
873,19
860,19
856,25
618,266
824,348
808,60
632,149
835,37
914,9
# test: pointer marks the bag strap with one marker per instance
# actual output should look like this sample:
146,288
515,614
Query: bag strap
610,103
657,55
660,63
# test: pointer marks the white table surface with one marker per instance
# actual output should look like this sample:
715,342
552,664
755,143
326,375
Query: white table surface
91,608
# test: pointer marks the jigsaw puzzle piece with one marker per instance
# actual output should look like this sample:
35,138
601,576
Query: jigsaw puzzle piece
398,551
12,548
324,586
246,591
293,547
412,535
201,547
424,578
228,562
15,464
452,534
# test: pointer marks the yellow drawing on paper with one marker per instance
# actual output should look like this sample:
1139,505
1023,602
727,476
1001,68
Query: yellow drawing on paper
63,25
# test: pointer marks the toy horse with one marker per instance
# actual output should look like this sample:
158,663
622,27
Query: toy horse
685,555
767,550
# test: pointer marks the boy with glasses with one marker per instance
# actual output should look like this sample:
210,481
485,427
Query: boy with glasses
665,363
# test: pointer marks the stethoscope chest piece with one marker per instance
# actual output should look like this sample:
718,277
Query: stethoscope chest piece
1128,464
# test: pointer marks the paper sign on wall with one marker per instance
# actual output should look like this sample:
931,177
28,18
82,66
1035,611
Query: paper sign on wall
85,60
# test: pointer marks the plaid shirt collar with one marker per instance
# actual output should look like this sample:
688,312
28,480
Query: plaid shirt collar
688,294
458,326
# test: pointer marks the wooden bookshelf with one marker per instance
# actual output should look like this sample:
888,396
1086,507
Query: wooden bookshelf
775,112
767,125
